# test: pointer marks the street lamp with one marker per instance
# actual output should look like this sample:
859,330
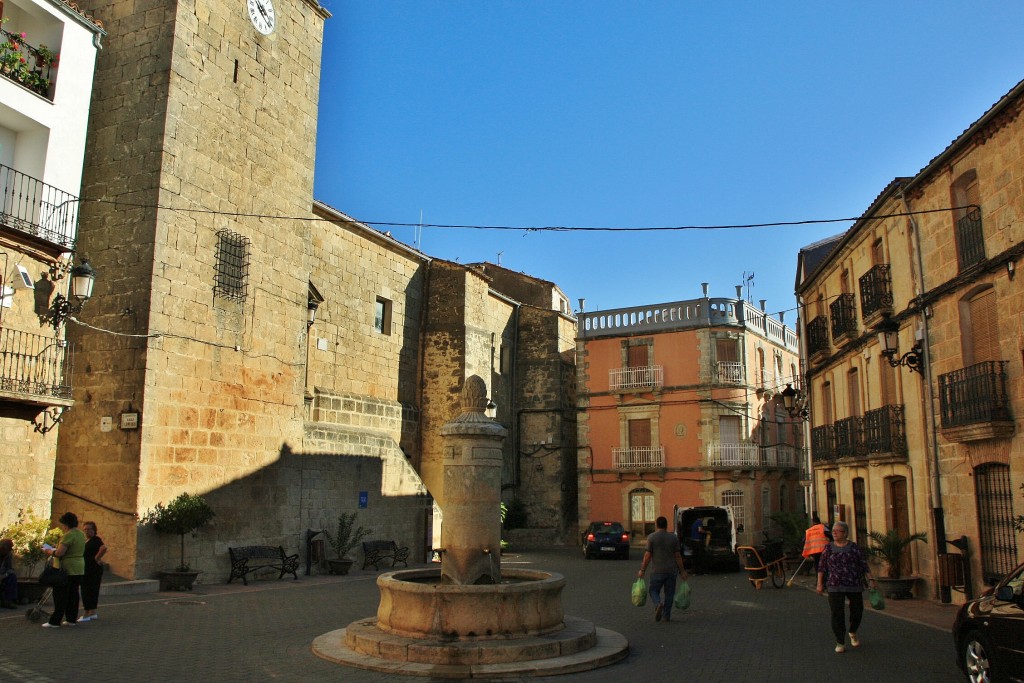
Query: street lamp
83,278
794,402
888,339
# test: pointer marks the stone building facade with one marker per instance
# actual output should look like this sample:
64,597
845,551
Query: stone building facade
680,405
936,253
198,370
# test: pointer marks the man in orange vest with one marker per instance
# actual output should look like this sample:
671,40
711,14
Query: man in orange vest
815,539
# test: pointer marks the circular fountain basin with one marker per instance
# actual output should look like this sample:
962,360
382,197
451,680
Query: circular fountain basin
415,604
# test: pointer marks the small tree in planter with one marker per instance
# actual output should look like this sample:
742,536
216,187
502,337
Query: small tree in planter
183,515
29,533
892,549
344,540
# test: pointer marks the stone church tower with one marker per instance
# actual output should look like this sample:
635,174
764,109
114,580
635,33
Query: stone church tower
204,118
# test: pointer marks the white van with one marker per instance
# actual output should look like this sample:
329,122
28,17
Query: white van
719,550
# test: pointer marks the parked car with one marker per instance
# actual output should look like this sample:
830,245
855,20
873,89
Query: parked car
606,538
989,632
719,552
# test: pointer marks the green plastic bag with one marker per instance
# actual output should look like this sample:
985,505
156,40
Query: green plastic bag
639,595
876,598
682,597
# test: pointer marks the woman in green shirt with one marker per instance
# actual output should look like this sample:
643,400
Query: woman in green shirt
69,554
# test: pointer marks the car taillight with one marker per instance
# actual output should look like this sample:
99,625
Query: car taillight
625,537
590,537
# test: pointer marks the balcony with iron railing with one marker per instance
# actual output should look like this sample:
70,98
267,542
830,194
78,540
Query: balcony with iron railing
730,372
884,431
876,293
640,458
817,335
34,368
823,445
879,434
844,317
650,377
970,239
33,208
974,402
745,456
30,66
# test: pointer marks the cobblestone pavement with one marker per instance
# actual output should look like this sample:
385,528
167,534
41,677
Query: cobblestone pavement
264,631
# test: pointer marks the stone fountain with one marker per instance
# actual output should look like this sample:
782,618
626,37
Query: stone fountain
470,618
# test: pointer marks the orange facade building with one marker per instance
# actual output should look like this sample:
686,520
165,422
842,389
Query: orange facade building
679,405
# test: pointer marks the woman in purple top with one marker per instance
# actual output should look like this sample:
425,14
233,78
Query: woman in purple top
846,567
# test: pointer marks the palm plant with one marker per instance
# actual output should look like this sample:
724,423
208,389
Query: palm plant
892,548
348,535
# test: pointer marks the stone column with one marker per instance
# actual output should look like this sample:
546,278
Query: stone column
471,527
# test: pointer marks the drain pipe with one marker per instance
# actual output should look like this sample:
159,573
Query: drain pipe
935,488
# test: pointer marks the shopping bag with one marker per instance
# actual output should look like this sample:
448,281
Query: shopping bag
876,598
682,597
639,595
52,577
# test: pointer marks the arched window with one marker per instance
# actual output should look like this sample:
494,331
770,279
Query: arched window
970,240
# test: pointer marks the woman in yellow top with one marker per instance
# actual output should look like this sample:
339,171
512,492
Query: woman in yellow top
70,556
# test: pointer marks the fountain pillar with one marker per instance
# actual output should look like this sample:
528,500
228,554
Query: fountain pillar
471,475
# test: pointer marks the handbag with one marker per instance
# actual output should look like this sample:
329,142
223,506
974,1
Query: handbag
53,577
682,596
876,599
639,593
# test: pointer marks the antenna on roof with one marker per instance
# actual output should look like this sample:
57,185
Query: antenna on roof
418,234
748,282
499,256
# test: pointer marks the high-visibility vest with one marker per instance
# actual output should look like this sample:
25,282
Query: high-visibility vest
815,540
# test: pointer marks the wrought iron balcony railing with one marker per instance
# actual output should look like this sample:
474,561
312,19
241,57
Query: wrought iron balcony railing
817,335
884,430
844,316
974,394
876,291
970,240
30,66
643,458
648,377
751,456
823,444
35,366
729,372
848,437
32,207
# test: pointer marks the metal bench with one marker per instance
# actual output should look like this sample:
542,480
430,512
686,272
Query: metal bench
378,552
249,559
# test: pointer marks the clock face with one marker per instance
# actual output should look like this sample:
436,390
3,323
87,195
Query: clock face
261,13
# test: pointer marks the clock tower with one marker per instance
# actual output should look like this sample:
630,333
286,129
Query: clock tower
199,171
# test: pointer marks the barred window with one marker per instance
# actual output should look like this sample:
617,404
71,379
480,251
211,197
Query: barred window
994,495
735,500
232,265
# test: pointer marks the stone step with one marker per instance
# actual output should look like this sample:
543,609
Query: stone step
129,587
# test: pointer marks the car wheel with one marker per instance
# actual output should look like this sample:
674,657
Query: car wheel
974,654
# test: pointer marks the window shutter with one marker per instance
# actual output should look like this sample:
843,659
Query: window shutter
984,329
638,356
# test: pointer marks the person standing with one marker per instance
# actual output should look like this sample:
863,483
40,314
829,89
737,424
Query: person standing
846,567
70,555
815,539
665,559
94,552
8,579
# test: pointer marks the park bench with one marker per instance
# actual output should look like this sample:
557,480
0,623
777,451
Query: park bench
378,552
249,559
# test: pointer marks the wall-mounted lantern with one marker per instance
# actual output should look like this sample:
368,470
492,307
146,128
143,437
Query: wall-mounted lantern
888,339
83,278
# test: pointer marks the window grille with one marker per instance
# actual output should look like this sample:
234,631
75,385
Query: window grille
232,276
735,500
994,496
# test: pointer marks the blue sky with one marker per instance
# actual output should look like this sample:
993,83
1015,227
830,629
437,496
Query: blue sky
645,114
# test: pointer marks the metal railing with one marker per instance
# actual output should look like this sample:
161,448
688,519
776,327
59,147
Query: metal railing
643,458
35,365
876,290
882,430
974,394
26,64
751,455
823,444
844,316
729,372
648,377
970,239
817,335
31,206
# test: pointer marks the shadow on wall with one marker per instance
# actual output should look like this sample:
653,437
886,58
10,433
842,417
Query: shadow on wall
278,503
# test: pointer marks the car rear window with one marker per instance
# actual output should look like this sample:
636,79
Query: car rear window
608,528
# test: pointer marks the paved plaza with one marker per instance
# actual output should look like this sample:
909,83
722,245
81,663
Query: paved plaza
264,631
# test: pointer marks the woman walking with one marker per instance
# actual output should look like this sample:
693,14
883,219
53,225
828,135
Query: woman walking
69,555
94,552
846,567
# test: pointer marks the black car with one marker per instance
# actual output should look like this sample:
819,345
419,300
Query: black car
989,633
606,538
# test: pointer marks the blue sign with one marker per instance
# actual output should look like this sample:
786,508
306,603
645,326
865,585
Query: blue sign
364,499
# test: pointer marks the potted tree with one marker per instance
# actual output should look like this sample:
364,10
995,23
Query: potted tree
28,534
344,540
183,515
893,549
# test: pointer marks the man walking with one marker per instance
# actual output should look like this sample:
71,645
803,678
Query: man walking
663,553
